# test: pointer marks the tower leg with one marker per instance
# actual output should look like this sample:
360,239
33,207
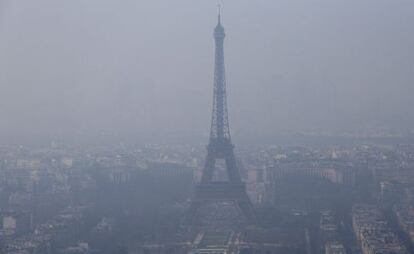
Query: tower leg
208,168
232,171
248,210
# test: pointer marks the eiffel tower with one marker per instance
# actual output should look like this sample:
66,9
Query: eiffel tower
220,147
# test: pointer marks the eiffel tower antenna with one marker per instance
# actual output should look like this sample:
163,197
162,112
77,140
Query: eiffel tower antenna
219,12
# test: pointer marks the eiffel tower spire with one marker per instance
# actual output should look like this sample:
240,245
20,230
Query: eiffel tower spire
219,123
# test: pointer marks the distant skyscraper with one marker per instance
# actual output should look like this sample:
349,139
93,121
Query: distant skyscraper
221,147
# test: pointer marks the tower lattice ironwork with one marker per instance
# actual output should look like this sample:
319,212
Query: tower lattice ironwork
221,147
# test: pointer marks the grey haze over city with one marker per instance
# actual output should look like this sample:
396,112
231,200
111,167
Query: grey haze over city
79,66
206,127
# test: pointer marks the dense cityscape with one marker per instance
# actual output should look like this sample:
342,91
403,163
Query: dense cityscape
351,199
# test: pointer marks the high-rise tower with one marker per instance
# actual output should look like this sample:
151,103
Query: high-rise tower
221,147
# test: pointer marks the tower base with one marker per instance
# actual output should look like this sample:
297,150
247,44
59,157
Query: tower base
223,204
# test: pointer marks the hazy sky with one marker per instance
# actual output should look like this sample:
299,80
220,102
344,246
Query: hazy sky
121,66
